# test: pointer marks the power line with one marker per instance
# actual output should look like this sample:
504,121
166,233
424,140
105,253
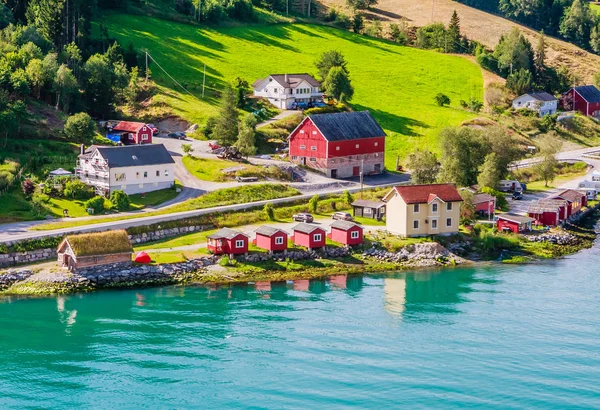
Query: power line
171,77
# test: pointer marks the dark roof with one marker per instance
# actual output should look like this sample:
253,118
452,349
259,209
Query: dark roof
225,233
128,126
520,219
294,80
481,198
363,203
542,96
306,228
136,155
589,93
421,194
344,225
570,195
347,125
269,230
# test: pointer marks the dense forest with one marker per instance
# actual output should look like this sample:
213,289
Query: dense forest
572,20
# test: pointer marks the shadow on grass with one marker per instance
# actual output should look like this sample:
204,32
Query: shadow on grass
395,123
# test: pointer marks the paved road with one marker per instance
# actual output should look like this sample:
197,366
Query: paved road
21,231
280,116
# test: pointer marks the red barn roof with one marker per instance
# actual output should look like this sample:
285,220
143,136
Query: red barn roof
421,194
128,126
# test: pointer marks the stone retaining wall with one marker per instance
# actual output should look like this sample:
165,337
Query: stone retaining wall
26,257
13,276
166,233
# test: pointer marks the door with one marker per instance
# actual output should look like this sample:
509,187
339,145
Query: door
65,260
334,173
355,171
303,161
377,168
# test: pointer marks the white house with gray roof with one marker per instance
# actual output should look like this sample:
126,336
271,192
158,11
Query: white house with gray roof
133,169
541,102
283,90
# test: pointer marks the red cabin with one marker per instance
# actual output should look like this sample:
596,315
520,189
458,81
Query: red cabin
585,99
133,132
575,200
549,212
346,232
309,236
484,203
227,242
271,239
341,145
514,223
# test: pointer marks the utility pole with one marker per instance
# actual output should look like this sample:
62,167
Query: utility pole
146,66
203,80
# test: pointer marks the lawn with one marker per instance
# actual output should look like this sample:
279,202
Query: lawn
396,84
208,169
195,238
155,198
14,207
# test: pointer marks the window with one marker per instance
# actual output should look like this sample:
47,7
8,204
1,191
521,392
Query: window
317,237
434,224
337,148
157,173
312,159
313,147
120,177
415,224
144,137
301,131
145,174
314,132
144,129
137,174
376,144
166,172
416,208
357,145
239,243
434,208
279,240
376,155
367,211
354,234
449,206
302,147
448,222
294,157
275,90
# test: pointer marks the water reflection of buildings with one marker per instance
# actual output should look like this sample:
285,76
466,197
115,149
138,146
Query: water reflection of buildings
395,295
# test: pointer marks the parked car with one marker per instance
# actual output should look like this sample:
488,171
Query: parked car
303,217
518,195
176,135
153,128
341,216
319,104
523,186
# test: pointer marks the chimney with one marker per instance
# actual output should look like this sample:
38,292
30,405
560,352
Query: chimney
82,149
286,79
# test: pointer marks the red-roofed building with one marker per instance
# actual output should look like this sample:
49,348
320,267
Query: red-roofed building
575,199
346,233
421,210
133,132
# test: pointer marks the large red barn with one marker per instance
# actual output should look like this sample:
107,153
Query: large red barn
585,99
346,232
227,242
309,236
340,145
133,132
271,239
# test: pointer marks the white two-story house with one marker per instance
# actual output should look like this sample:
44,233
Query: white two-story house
285,90
133,169
542,102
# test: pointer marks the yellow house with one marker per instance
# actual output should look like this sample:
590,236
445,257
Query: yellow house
421,210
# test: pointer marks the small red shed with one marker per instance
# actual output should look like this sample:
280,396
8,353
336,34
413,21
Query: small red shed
513,222
549,212
346,232
575,199
271,239
134,132
227,242
585,99
309,236
484,203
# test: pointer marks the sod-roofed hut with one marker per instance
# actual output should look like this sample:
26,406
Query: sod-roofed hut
93,249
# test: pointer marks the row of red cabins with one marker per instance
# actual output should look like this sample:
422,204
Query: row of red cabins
551,211
231,242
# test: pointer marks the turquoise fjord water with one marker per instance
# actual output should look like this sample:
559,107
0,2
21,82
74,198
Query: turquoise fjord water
482,337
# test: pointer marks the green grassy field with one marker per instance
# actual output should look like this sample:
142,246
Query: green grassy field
397,84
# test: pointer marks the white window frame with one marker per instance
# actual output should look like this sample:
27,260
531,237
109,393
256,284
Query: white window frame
302,147
434,224
434,208
166,172
157,173
448,225
279,240
314,132
144,137
145,174
354,235
448,206
337,148
319,236
239,243
312,159
301,131
416,224
313,147
357,145
376,144
416,208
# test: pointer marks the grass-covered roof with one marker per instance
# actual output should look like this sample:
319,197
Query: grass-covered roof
100,243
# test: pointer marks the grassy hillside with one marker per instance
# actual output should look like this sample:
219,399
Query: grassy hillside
397,84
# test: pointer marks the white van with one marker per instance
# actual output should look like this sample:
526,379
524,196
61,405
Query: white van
510,186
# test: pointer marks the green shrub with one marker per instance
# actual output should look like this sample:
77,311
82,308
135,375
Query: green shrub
41,198
339,107
313,203
120,200
269,211
225,261
96,203
76,189
501,201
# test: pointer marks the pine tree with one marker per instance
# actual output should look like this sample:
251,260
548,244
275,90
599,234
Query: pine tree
246,142
453,38
539,60
489,172
226,127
